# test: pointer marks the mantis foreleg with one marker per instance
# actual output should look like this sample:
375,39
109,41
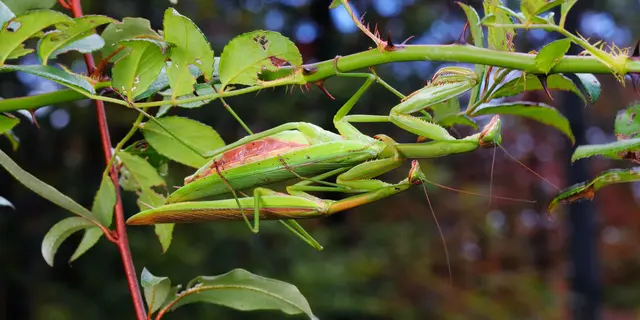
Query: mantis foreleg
448,83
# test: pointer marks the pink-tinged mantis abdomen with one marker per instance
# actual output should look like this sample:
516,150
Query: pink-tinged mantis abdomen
306,162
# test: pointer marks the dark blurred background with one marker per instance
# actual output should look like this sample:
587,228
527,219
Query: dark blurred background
381,261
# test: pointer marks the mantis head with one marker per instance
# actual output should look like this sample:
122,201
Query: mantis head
454,74
490,135
415,174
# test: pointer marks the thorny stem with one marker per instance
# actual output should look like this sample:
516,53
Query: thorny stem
121,232
462,53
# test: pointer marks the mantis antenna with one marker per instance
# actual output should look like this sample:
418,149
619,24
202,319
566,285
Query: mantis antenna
444,242
528,169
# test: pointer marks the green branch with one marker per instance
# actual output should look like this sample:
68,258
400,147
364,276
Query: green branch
323,70
459,53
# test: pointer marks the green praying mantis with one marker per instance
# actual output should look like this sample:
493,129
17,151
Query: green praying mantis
312,154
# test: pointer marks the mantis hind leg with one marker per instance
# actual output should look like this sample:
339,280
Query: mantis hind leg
290,224
299,231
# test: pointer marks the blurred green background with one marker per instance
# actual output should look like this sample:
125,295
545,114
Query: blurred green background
381,261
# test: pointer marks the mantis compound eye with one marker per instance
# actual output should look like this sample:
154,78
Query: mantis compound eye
415,174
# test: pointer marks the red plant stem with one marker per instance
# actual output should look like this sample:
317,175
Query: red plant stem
121,231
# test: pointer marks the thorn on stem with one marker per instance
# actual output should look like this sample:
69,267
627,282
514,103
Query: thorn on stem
309,70
320,85
405,41
390,46
463,36
543,81
33,117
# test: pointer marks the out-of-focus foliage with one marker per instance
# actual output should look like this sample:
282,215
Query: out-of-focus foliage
380,261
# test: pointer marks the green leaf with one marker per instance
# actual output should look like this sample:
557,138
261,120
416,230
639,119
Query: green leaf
90,238
532,8
474,24
536,111
142,149
335,4
180,79
65,78
627,124
447,114
591,85
564,11
188,44
129,28
139,173
586,191
60,232
156,289
5,14
7,123
162,81
196,134
105,201
64,36
136,71
44,190
88,44
24,27
478,40
499,38
201,90
551,54
18,52
246,56
13,139
242,290
164,231
188,47
6,203
445,109
611,150
548,18
550,4
510,13
517,86
148,199
21,6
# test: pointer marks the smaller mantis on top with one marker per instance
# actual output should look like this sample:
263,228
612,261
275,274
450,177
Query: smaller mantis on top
299,150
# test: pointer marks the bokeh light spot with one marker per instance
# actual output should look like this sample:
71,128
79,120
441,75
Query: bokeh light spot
59,118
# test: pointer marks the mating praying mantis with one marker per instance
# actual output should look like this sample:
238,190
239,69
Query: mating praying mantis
299,150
